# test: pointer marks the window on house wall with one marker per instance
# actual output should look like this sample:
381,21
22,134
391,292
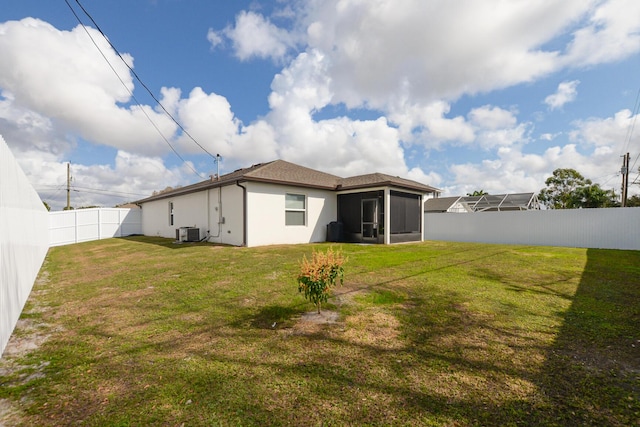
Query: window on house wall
170,213
295,209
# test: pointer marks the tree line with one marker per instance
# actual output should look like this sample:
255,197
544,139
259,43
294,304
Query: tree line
568,189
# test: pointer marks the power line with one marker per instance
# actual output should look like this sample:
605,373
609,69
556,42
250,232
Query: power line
131,93
634,113
108,192
184,131
611,176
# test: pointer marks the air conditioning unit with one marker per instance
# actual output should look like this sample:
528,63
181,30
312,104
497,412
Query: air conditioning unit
193,234
187,234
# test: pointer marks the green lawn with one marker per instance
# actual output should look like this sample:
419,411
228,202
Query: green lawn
142,331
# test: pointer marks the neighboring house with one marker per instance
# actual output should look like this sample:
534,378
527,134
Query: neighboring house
484,203
282,203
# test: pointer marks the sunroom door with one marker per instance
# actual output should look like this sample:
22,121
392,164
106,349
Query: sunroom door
370,220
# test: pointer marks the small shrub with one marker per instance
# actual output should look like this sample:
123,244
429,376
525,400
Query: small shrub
319,275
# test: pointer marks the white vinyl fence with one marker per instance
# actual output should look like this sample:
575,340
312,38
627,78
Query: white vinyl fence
613,228
83,225
24,241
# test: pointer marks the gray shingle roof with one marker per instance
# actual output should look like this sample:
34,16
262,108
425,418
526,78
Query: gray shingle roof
283,172
440,204
379,179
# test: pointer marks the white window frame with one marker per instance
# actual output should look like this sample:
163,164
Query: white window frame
289,209
170,213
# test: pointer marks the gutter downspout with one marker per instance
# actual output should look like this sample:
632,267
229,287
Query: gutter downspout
244,213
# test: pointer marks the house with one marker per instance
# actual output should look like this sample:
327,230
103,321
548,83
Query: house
484,203
282,203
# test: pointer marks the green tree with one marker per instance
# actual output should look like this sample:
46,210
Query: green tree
633,201
477,193
568,189
593,196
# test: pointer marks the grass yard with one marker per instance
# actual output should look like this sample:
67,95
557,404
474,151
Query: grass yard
142,331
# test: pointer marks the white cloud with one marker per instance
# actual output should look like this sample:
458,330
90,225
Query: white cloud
611,131
86,92
340,145
303,84
209,120
432,125
594,152
214,37
253,35
505,137
496,127
512,171
567,92
611,33
101,184
549,136
31,131
379,53
424,51
407,61
491,117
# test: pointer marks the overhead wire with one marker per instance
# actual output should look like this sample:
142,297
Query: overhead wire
85,202
631,127
138,103
53,195
184,131
611,176
108,192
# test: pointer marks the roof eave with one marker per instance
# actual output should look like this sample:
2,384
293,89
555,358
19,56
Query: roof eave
206,185
289,183
388,184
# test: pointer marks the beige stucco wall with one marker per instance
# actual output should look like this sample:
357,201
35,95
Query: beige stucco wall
221,211
266,215
218,211
225,219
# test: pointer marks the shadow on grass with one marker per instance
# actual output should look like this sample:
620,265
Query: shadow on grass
592,371
168,243
274,316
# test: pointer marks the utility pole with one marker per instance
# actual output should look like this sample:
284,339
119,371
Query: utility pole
68,187
625,179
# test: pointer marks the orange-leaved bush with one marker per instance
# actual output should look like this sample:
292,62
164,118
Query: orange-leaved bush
319,275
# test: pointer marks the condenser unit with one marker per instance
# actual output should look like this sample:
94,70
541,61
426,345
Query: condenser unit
187,234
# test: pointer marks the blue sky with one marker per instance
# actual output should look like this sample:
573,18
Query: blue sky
461,95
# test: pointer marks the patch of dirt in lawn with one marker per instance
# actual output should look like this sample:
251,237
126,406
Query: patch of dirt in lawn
28,336
375,329
313,322
9,416
323,317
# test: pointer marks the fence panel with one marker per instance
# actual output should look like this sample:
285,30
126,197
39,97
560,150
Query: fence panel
614,228
24,241
83,225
